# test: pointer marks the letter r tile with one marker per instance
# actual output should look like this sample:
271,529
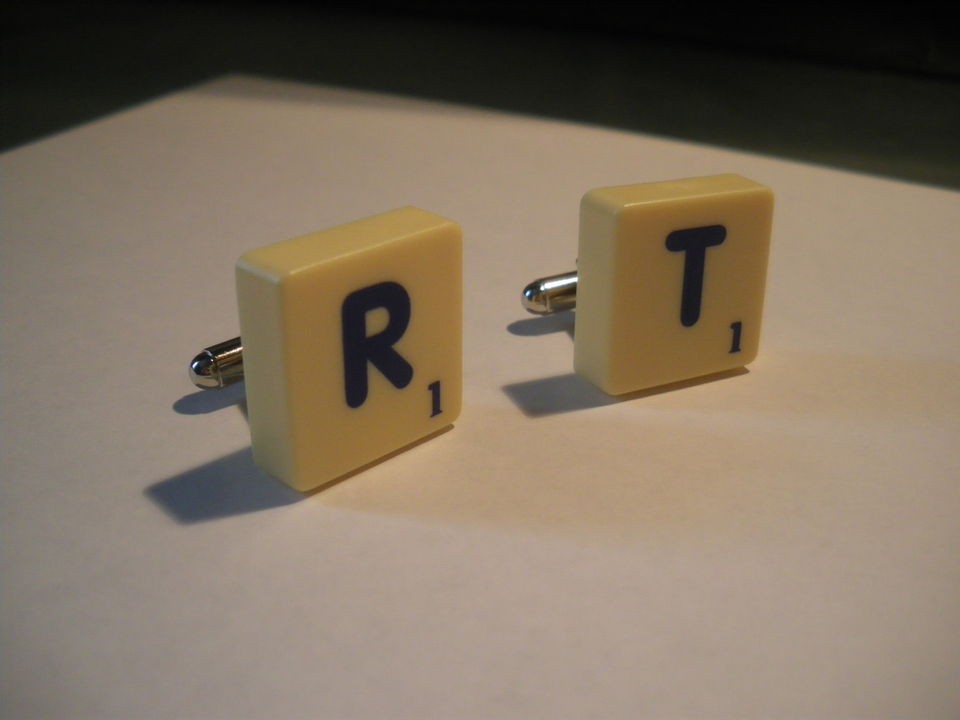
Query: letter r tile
352,343
671,280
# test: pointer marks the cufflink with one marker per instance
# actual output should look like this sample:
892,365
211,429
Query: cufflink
669,283
350,344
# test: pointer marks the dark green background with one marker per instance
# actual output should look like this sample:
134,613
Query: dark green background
876,91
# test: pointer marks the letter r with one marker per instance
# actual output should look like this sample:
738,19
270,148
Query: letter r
359,348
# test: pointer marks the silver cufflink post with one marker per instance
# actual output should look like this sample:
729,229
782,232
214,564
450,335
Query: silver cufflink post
218,366
552,294
221,365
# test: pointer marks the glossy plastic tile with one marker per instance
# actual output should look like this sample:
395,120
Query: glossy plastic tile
671,280
352,343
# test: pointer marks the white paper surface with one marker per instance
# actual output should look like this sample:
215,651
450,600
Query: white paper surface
779,543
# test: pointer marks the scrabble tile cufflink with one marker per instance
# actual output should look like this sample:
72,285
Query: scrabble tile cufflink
669,283
350,344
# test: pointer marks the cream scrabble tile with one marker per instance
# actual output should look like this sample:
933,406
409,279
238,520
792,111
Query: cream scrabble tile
351,343
671,280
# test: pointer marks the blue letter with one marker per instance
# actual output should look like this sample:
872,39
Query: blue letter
358,349
694,242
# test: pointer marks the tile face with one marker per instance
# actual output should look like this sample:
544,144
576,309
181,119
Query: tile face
671,280
352,343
